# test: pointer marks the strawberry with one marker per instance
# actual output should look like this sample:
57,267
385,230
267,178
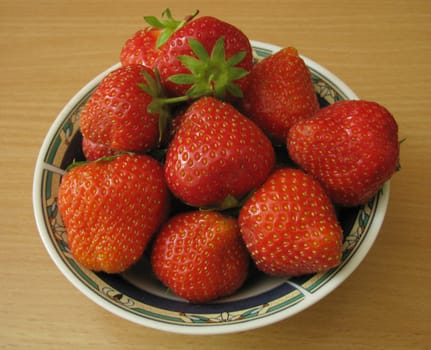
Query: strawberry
351,147
289,225
111,208
206,57
200,256
144,46
141,48
125,111
93,151
280,93
216,154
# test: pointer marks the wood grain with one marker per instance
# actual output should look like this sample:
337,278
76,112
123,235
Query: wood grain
381,49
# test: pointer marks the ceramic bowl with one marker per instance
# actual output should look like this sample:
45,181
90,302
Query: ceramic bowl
139,297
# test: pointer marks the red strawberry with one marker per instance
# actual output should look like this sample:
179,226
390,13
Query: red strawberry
289,225
111,208
206,57
351,147
144,46
118,114
280,93
93,151
200,256
141,48
216,153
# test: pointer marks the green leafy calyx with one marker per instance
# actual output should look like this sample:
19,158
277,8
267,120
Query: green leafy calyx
211,74
168,25
160,104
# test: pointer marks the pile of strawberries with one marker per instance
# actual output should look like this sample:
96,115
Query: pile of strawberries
182,145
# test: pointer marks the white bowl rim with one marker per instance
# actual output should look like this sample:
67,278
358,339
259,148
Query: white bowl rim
332,284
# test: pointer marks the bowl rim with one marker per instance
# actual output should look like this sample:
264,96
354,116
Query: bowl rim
329,286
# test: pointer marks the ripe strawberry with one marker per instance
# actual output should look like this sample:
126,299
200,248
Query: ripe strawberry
111,208
200,256
280,93
216,153
351,147
144,46
141,48
206,57
93,151
118,114
289,225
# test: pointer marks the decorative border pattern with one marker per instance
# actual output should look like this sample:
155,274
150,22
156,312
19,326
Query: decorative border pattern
121,294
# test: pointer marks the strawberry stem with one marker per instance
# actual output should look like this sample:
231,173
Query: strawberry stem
160,103
167,26
174,100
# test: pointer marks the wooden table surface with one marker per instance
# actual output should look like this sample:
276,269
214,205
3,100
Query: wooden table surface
381,49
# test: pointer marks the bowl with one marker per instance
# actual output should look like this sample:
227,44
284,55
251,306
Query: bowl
138,296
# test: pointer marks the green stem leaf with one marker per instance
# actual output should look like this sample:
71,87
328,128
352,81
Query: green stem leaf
167,26
211,74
